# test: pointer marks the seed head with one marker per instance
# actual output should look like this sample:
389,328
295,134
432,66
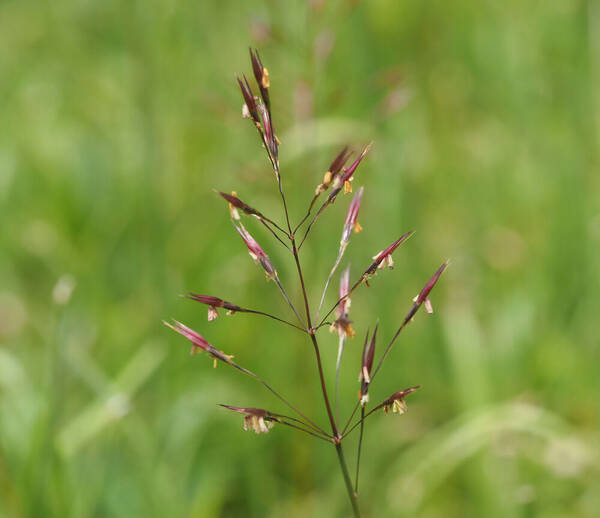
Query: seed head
344,305
352,218
342,324
199,342
256,419
424,293
250,108
423,296
235,203
261,74
213,303
334,168
396,402
344,179
367,364
384,258
339,161
272,141
256,252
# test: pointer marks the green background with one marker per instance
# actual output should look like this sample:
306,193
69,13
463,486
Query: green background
117,121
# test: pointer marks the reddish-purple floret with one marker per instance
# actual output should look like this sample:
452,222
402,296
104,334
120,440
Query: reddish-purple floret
344,304
339,161
199,342
351,222
249,99
396,402
213,303
256,252
424,293
366,366
235,202
344,179
423,297
384,258
255,419
347,175
261,74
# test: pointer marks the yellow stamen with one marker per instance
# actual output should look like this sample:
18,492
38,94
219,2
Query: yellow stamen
265,78
350,331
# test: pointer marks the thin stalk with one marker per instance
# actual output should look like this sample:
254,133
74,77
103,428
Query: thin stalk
307,308
263,221
314,341
312,222
360,439
327,202
350,418
354,286
337,375
338,446
387,349
285,208
309,422
351,494
335,265
295,420
361,420
268,315
291,425
307,215
268,220
324,387
303,220
289,301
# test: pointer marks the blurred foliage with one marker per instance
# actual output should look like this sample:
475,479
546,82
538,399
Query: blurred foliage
118,120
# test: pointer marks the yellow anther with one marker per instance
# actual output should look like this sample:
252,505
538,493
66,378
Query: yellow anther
265,78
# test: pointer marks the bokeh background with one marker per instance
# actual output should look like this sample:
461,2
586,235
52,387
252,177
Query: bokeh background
117,121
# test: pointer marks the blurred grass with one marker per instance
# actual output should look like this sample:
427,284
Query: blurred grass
117,121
